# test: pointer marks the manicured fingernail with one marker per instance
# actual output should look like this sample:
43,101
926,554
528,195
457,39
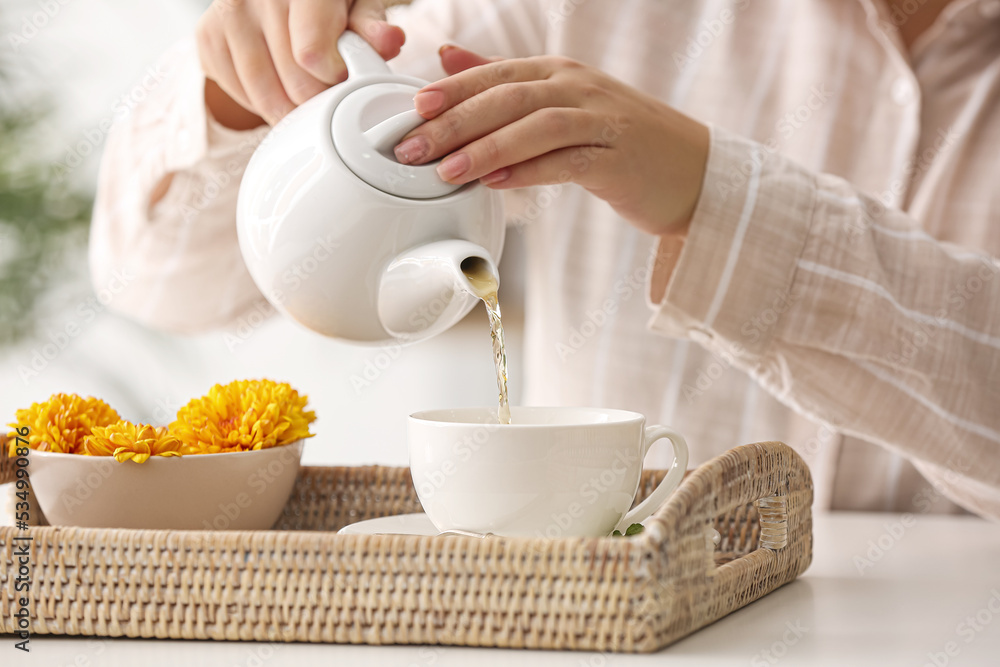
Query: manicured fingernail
428,102
412,150
496,176
454,166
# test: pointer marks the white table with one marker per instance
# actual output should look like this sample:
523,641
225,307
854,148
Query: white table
909,602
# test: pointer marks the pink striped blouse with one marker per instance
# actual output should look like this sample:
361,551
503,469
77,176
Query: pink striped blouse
837,290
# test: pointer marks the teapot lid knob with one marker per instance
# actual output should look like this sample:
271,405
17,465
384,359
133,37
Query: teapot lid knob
367,125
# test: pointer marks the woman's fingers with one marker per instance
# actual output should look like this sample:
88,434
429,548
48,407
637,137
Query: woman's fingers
313,27
543,131
217,62
438,97
252,62
299,84
455,59
367,18
269,56
476,118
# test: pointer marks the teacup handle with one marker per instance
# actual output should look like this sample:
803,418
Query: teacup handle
670,482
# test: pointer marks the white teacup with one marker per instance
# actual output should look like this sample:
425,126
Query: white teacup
552,472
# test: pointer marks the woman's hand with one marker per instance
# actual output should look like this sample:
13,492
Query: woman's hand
263,58
548,119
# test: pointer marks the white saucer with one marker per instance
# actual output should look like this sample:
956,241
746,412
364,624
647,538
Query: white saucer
415,524
401,524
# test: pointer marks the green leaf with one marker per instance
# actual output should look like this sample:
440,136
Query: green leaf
634,529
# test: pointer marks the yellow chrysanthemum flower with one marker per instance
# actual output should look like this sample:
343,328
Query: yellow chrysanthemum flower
127,441
243,415
61,423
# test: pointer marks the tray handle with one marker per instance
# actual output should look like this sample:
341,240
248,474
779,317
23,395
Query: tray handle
773,477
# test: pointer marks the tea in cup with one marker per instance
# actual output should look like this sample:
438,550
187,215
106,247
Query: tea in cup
551,472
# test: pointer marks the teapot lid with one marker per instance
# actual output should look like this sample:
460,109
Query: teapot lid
367,125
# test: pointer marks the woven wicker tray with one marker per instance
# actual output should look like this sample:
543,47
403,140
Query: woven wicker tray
302,582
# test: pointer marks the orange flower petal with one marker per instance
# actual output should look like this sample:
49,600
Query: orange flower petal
243,415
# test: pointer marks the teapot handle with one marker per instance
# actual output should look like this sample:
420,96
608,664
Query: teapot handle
359,56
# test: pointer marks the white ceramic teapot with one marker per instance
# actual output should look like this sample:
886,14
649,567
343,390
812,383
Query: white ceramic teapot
345,240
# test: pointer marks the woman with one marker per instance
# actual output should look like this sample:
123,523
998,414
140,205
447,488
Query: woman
809,188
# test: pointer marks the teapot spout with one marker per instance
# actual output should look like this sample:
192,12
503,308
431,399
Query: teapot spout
427,289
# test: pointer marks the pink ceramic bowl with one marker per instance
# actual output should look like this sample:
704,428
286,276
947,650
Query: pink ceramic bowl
233,491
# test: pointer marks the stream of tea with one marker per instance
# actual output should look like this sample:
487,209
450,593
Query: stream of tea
485,286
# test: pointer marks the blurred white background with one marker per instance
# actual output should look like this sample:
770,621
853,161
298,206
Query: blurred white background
82,56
